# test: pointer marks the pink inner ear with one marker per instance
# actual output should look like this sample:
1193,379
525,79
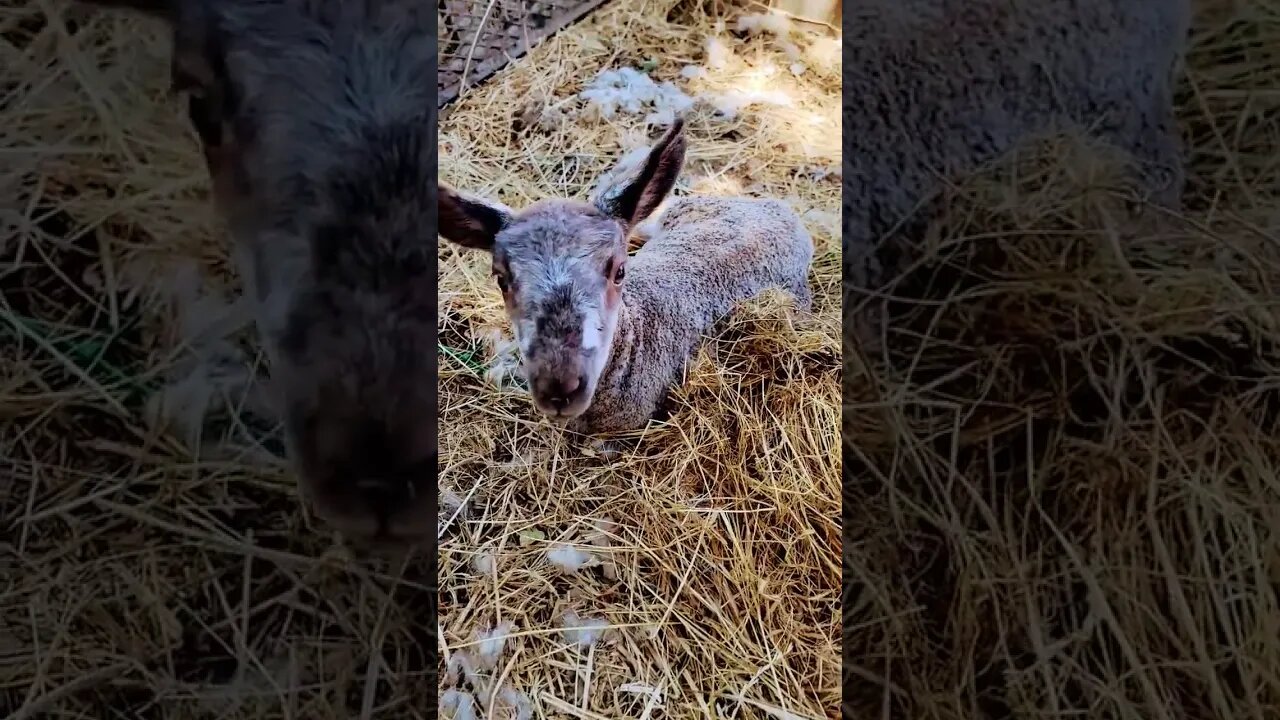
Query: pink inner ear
466,221
662,179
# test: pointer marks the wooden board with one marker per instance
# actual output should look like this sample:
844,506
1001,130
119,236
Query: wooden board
480,37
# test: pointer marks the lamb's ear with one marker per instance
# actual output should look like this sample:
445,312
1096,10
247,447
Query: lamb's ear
196,66
631,193
469,221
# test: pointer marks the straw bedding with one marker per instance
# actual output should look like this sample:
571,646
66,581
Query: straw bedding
1061,494
713,544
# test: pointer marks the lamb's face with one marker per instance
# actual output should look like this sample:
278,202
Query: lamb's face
320,161
560,266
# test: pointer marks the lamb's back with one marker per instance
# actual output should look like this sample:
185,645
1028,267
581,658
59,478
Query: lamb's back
934,88
710,253
707,255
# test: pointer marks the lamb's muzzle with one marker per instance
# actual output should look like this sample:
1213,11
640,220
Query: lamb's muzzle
321,160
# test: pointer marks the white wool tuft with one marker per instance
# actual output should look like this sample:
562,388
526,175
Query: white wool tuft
773,23
461,666
633,92
483,563
718,53
506,369
796,69
828,222
692,72
450,500
731,103
512,698
824,54
490,644
449,508
568,559
583,632
605,528
822,172
457,705
791,50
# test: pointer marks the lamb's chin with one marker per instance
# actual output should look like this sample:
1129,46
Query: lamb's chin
559,418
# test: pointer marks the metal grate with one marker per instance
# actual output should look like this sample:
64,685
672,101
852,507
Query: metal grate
479,37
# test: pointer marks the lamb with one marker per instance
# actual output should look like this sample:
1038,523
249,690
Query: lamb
317,119
602,336
934,88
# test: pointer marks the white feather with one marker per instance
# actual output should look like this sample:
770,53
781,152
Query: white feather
569,559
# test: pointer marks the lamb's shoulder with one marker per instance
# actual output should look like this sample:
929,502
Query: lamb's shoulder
649,354
709,254
707,213
700,235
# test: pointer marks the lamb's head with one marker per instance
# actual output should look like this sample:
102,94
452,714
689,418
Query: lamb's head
561,266
316,118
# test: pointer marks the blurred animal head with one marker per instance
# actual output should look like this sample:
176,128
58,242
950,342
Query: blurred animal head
317,122
561,266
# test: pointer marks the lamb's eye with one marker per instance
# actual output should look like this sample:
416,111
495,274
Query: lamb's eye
619,274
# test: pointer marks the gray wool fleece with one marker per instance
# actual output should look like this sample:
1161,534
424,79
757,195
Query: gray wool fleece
708,255
934,88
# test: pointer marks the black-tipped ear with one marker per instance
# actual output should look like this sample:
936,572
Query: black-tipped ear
469,221
637,194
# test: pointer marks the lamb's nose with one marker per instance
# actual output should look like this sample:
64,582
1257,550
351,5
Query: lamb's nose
564,392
